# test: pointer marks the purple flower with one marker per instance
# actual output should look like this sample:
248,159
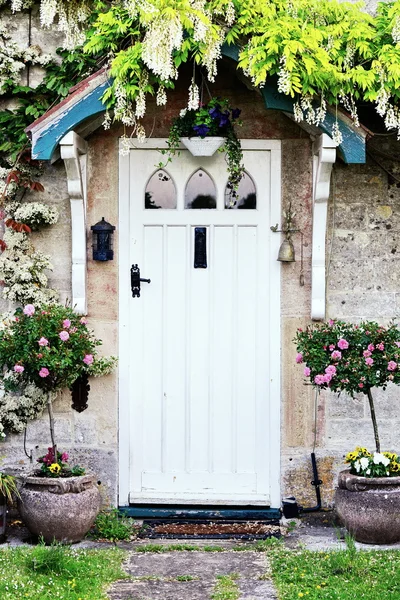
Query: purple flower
66,323
319,379
44,372
366,353
369,361
381,346
236,113
299,358
307,371
224,119
343,344
214,112
336,355
201,130
64,457
64,336
371,347
19,369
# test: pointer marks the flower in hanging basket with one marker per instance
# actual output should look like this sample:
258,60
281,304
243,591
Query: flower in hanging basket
207,129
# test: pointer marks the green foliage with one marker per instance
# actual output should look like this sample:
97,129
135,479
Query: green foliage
51,467
226,588
216,118
335,575
49,346
8,486
350,357
34,102
110,525
45,573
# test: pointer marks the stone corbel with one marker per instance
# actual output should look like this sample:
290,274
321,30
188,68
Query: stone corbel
73,150
324,150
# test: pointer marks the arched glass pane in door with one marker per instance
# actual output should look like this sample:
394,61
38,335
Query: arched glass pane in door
246,195
160,191
200,191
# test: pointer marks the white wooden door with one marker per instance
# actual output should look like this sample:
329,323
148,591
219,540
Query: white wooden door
199,399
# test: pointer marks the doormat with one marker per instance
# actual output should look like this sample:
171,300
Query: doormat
211,530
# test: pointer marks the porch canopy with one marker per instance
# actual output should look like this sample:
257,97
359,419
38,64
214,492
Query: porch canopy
61,132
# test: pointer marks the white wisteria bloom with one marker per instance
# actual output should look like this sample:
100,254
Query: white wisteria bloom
337,136
194,97
297,112
125,146
396,31
161,98
283,77
22,269
161,39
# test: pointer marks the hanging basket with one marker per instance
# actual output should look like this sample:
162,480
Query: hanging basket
203,146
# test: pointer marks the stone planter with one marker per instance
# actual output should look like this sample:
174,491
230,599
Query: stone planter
59,509
202,146
369,507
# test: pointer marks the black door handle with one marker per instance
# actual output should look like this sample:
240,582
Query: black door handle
135,281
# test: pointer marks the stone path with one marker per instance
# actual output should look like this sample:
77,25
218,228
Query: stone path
192,575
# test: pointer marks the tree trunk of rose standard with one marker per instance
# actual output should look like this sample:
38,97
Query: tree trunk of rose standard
50,399
373,417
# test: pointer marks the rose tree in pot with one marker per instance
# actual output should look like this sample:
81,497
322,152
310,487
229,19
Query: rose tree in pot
49,348
354,358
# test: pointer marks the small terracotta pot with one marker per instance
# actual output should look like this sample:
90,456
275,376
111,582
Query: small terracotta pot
369,507
61,509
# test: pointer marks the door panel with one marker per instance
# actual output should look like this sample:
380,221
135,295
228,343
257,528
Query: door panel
199,365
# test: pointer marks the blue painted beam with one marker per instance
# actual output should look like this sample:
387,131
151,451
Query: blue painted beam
352,148
88,106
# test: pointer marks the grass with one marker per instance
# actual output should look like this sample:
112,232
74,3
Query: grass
226,588
160,548
49,573
112,526
336,575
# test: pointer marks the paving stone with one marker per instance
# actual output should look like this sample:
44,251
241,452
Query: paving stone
168,590
205,565
256,590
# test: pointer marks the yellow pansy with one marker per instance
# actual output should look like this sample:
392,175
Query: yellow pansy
54,468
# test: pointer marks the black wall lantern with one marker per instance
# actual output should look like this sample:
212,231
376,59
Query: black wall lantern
102,240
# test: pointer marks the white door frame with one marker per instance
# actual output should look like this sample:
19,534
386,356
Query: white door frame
125,297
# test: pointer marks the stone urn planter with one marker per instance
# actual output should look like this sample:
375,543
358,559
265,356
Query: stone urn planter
369,508
61,509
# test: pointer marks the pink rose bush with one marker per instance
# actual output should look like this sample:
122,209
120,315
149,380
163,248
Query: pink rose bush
348,357
50,346
345,357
